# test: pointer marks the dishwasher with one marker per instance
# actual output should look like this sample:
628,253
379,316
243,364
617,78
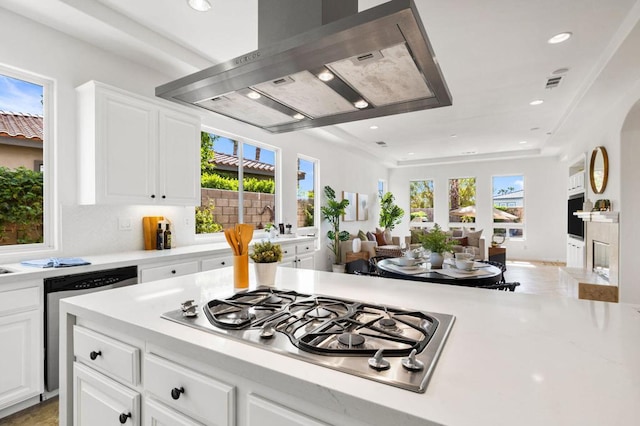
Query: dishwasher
57,288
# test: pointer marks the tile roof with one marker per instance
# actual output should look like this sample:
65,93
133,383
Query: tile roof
221,159
21,125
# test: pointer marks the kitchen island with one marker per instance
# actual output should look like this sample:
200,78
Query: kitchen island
510,359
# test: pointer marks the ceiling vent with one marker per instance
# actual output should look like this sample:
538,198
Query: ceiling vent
370,64
382,144
553,82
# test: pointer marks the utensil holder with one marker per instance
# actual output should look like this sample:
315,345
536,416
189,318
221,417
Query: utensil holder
241,271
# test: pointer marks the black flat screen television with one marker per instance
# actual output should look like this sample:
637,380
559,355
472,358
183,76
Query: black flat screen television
575,225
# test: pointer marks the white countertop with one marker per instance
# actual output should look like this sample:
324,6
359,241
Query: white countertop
511,359
135,257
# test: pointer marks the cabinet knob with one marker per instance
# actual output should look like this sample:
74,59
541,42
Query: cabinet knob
223,263
173,271
93,355
123,417
153,195
164,196
175,392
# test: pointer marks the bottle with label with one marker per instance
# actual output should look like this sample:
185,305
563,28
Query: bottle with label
167,238
159,238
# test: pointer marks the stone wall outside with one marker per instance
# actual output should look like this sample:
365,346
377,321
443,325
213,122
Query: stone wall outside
258,206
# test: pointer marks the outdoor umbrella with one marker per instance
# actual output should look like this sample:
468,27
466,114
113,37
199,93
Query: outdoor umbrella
471,211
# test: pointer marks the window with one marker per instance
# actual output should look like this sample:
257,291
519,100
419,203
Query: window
420,202
462,200
306,193
508,206
235,174
381,188
26,219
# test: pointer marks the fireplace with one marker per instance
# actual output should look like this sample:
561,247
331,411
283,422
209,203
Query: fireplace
601,259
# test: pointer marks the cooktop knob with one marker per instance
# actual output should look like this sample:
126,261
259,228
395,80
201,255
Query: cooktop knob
411,363
267,331
378,362
189,309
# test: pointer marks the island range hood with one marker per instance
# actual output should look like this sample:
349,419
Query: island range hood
374,63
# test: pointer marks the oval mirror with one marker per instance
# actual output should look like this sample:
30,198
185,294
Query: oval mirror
599,169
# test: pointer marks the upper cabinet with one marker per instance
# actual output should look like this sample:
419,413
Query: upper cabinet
135,150
577,170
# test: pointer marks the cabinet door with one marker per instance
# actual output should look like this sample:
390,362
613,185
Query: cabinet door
305,262
168,271
98,400
21,364
126,135
262,412
156,414
216,263
179,159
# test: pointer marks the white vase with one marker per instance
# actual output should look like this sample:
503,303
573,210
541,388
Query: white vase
266,273
436,260
273,233
356,245
340,268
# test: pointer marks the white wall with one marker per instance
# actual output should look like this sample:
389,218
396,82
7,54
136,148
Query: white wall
87,230
545,201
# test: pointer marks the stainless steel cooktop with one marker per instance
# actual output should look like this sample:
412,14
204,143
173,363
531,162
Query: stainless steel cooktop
387,344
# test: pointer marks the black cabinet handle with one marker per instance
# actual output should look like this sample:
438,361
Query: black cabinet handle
123,418
153,195
223,263
93,355
164,196
175,392
173,271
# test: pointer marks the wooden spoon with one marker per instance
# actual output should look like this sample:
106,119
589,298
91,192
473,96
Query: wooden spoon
229,235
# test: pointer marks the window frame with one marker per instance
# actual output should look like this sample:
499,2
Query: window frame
423,224
50,216
258,233
506,225
461,224
316,191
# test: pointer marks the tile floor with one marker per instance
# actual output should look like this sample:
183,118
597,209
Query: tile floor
534,278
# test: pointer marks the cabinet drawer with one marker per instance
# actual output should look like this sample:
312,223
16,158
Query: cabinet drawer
19,300
156,414
168,271
201,397
216,263
108,355
98,400
305,248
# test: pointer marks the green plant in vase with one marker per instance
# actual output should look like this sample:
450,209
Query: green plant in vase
437,242
331,212
266,256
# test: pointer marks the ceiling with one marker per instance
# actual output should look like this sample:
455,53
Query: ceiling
493,54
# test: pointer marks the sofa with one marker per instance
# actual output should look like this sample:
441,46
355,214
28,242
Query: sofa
466,238
372,247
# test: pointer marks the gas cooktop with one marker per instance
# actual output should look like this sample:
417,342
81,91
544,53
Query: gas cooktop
387,344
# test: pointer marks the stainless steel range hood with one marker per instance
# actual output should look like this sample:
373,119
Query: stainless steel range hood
374,63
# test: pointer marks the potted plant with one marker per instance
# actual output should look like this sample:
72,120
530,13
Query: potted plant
332,212
271,229
266,256
438,243
390,214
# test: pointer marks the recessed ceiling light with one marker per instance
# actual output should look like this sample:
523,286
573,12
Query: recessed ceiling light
559,38
535,128
325,76
469,152
361,104
253,95
536,102
410,153
560,71
199,5
522,142
454,135
373,127
298,116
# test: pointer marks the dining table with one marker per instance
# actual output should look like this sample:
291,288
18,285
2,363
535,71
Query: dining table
420,270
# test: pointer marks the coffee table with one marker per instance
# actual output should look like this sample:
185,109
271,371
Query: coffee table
487,274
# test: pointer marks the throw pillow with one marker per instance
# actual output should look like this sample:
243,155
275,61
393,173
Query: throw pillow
380,239
473,237
371,236
462,241
362,235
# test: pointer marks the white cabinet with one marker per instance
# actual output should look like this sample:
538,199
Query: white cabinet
154,273
575,253
577,170
99,400
262,412
156,414
298,255
21,352
135,150
208,400
216,262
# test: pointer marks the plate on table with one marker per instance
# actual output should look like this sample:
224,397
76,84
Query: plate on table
405,262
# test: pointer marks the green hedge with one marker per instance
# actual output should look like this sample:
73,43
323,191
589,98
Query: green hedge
214,181
21,201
